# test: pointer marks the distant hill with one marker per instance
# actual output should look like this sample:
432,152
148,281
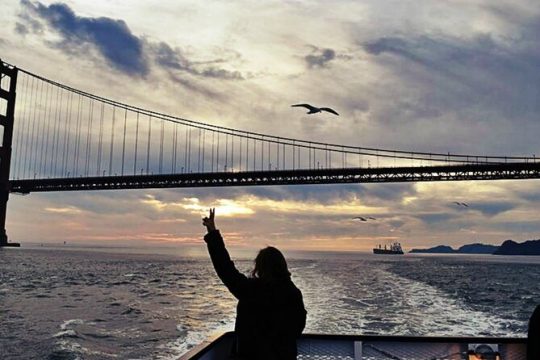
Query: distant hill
441,249
465,249
477,249
510,247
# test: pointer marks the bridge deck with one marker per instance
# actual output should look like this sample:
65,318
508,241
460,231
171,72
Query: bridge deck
321,176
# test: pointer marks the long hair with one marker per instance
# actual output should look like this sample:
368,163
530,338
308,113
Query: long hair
270,265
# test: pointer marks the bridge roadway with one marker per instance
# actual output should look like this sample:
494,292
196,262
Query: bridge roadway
508,171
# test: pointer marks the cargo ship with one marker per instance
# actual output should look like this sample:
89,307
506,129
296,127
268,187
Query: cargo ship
394,249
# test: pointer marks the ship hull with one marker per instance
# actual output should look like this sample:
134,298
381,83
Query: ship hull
387,252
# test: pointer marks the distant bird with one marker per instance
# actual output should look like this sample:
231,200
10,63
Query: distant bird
461,204
313,110
361,218
364,218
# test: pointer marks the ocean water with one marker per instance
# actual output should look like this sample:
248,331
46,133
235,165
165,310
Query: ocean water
67,303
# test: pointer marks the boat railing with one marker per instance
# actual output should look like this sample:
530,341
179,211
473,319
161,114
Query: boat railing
371,347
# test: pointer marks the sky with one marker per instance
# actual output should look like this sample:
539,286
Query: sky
459,76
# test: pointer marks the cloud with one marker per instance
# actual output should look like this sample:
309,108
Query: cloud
21,29
110,37
174,59
320,58
479,70
64,210
434,218
224,207
114,41
493,208
30,24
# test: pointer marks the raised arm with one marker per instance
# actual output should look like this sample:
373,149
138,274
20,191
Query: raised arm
233,279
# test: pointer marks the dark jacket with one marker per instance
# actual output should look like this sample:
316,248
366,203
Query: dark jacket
269,316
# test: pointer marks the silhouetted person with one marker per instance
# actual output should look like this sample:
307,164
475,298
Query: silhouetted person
270,315
533,339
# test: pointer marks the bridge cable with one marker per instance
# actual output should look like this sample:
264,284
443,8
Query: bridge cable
226,152
49,158
38,132
269,157
148,145
299,157
185,150
204,147
161,137
45,144
262,154
136,146
235,133
18,136
212,151
240,152
189,149
111,150
32,136
175,146
199,151
239,132
100,141
124,142
75,167
88,151
232,153
254,153
56,141
247,155
67,136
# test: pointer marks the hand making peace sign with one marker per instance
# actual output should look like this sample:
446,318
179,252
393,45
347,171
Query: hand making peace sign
209,221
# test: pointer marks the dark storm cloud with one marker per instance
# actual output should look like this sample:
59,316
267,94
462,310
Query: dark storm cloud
112,38
319,58
476,71
493,208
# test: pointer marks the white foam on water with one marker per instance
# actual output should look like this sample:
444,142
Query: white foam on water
325,313
426,310
189,339
71,322
368,299
65,333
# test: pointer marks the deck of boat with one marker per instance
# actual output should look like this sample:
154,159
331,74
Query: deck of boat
351,347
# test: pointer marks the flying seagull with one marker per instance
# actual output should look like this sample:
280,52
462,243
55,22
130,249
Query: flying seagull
364,218
361,218
461,204
314,110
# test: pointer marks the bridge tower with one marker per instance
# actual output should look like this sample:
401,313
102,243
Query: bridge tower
8,82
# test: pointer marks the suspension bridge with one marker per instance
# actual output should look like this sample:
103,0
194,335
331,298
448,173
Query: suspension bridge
59,138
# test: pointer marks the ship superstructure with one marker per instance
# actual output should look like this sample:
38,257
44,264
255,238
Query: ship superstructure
393,249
